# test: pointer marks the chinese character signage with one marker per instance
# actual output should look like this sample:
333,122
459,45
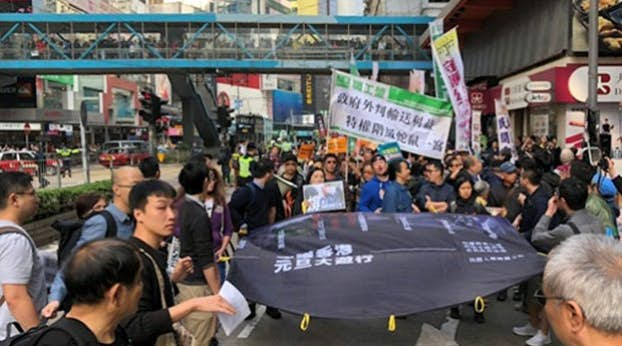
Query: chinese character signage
446,53
367,265
337,145
323,197
382,113
305,151
476,132
504,128
390,151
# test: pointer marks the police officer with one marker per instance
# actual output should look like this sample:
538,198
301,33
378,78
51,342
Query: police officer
245,176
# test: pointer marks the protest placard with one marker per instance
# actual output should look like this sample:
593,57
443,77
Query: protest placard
337,145
323,197
305,152
390,151
382,113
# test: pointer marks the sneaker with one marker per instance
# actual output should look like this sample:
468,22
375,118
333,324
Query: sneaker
526,330
454,313
539,339
273,312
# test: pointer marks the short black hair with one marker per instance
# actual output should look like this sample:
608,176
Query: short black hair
436,163
310,174
329,155
261,168
574,192
149,167
533,176
192,176
394,166
85,202
97,266
147,188
582,170
289,157
12,182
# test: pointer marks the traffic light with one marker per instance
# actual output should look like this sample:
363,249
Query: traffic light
151,107
224,118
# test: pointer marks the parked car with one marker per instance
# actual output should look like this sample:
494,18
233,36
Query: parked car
141,145
122,156
25,161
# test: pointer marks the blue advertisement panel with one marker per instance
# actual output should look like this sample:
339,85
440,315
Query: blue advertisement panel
285,105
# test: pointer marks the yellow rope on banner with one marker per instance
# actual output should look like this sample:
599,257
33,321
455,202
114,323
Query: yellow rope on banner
224,259
392,323
479,305
304,324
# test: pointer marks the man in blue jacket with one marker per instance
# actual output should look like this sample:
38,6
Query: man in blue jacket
373,191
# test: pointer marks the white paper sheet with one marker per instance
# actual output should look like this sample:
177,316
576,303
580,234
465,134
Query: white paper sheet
237,300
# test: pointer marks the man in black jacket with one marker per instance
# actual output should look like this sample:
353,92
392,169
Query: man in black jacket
151,202
103,277
254,205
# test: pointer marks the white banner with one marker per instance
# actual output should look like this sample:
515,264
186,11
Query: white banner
476,132
446,53
382,113
505,134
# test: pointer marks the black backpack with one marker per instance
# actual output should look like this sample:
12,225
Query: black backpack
70,234
78,332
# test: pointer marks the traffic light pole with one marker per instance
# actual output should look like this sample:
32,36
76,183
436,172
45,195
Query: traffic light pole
153,139
592,118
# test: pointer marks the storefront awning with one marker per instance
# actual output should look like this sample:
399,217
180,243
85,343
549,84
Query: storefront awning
467,15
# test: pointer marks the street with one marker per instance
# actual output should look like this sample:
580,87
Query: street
497,331
98,172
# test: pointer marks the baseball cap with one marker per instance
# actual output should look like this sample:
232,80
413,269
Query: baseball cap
507,167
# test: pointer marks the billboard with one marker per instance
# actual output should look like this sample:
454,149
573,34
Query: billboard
18,92
285,106
609,27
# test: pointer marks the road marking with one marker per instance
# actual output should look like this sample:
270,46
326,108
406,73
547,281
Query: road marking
431,336
248,329
450,327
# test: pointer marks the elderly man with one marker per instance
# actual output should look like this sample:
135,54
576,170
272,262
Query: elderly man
581,291
96,227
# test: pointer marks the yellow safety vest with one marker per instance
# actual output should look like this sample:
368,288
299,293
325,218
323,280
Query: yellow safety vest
245,166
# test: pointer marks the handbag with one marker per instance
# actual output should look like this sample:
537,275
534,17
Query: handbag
180,336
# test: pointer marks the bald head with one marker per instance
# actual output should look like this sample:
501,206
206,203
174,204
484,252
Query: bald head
123,179
124,173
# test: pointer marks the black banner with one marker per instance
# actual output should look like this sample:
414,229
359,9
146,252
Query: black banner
365,265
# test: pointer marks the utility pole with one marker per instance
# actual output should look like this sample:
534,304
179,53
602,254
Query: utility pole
593,118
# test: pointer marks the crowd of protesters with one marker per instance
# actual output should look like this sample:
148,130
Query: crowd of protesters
148,265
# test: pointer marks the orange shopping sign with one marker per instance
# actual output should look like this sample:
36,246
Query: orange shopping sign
338,145
305,152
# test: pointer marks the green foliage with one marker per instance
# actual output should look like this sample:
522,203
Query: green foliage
55,201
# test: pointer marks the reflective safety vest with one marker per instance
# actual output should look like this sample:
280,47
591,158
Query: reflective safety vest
245,166
66,152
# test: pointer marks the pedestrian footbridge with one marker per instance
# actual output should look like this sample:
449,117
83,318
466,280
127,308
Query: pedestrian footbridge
143,43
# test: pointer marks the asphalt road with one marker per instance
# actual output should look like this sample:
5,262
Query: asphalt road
496,331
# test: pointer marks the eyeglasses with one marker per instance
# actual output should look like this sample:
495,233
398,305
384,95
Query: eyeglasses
126,186
541,298
331,162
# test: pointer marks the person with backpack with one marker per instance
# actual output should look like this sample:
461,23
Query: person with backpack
113,221
252,205
22,280
103,277
85,206
573,194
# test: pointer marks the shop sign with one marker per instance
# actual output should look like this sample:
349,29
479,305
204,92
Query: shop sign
538,98
540,124
514,93
609,84
19,126
539,86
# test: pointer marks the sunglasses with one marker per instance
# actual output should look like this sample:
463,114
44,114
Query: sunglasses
541,298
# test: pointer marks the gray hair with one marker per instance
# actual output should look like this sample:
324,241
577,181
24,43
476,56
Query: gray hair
587,268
